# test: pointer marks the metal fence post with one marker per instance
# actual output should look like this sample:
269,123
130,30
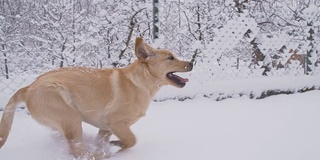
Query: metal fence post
155,30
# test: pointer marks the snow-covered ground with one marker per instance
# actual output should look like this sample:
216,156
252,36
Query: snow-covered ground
282,127
249,87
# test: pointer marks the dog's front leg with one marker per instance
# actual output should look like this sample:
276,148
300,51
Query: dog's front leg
102,143
125,135
103,137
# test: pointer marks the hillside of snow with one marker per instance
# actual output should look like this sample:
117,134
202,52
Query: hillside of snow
282,127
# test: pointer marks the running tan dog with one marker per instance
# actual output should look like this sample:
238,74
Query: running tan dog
110,99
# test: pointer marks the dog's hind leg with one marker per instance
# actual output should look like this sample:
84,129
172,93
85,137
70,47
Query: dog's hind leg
72,131
48,106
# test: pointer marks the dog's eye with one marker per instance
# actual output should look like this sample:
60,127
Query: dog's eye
171,58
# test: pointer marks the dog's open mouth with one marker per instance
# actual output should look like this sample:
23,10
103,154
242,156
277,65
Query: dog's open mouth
177,79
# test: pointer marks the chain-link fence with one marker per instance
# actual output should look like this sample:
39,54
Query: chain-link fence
239,51
225,39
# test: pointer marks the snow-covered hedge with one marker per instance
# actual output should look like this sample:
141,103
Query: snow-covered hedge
254,88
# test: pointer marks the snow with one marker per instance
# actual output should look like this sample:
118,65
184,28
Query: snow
229,2
283,127
311,12
275,42
94,2
250,87
103,13
240,127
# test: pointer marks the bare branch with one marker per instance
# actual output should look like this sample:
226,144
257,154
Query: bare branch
131,28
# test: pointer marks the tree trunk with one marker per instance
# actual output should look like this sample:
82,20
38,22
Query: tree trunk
62,50
61,60
198,23
194,56
200,36
6,72
6,68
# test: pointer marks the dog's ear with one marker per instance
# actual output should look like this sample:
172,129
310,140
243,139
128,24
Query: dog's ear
142,50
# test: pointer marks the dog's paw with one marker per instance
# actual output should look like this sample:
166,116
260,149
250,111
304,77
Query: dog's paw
118,144
103,154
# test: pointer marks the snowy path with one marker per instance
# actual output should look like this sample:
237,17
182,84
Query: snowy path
283,127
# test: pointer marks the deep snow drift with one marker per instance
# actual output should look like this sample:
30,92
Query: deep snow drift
282,127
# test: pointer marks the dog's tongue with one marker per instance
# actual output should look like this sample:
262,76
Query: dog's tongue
180,78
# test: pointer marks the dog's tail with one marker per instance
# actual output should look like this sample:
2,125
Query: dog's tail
8,114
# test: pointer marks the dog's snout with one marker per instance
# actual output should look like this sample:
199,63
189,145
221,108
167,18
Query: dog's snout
189,66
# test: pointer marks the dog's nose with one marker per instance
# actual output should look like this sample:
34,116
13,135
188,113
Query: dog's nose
189,66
